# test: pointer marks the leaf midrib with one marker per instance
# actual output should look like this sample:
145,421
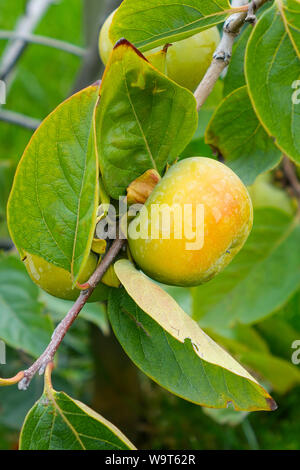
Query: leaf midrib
85,151
137,120
171,32
62,413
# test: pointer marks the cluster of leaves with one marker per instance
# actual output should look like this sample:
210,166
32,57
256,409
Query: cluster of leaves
138,120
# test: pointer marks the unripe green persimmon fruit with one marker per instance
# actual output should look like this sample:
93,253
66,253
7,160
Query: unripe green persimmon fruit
226,222
57,281
187,60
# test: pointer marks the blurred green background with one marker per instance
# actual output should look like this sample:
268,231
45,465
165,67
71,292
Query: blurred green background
92,365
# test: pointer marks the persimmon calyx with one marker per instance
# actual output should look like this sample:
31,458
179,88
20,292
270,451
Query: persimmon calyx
140,189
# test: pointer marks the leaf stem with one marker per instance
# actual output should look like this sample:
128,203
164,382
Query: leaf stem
59,333
222,55
12,380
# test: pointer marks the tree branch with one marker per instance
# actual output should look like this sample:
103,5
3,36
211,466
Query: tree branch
35,10
63,327
222,55
291,176
19,119
43,41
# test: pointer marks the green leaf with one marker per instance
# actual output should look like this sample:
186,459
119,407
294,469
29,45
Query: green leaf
259,280
151,23
272,69
57,422
197,148
166,344
144,120
53,203
244,336
22,324
237,134
283,328
280,374
291,311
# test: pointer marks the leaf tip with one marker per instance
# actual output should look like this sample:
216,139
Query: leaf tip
96,84
125,43
272,405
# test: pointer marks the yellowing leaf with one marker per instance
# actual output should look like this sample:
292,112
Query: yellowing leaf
163,309
172,330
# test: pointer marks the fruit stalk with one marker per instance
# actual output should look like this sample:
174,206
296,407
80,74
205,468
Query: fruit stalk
222,55
59,333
